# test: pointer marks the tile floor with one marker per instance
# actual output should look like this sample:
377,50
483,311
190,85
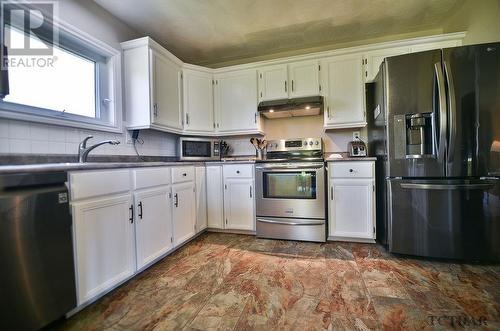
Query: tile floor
238,282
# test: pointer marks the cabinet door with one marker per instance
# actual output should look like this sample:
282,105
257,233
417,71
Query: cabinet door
201,199
198,101
184,212
352,208
238,204
236,101
215,197
153,224
104,244
304,78
273,82
167,107
374,59
344,91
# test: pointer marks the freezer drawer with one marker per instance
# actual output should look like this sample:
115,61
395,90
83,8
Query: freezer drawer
445,218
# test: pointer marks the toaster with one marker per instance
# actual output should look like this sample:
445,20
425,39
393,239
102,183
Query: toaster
356,148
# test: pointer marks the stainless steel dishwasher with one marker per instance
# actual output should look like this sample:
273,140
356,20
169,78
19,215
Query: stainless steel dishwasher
37,279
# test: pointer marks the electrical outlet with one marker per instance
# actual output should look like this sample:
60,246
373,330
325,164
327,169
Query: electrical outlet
355,135
128,137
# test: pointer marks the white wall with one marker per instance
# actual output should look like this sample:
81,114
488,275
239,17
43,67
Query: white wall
25,137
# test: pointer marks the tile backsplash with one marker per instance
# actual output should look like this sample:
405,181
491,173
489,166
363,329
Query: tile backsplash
17,137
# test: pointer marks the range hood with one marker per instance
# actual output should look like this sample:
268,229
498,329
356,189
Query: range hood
308,106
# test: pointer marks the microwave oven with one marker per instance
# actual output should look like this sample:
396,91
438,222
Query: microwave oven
198,149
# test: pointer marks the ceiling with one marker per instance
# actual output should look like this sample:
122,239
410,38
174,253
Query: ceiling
210,32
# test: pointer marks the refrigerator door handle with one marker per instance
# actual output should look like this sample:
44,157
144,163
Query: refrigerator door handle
442,110
453,111
479,186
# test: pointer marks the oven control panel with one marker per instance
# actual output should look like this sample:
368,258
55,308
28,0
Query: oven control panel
298,144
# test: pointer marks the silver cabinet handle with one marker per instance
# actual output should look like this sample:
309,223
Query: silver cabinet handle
250,191
176,201
131,219
292,85
187,119
285,87
331,193
288,222
155,109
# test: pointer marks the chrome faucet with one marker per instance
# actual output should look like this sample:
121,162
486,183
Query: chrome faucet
83,150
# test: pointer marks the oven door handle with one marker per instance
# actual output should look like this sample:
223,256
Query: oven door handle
294,167
289,223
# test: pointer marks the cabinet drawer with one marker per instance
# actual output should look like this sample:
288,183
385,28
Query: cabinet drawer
182,174
356,169
238,170
149,177
88,184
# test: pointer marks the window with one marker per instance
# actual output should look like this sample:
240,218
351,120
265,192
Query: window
75,86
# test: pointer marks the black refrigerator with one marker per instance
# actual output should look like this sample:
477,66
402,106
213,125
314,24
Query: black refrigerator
434,126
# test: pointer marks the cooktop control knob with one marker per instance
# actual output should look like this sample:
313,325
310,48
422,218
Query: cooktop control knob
310,143
305,143
317,143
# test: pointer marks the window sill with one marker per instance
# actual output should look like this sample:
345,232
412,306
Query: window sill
59,120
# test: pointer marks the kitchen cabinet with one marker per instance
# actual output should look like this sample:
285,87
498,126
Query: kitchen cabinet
104,244
297,79
373,59
273,82
236,101
153,224
239,197
304,78
153,86
343,91
215,197
184,212
198,101
351,201
201,199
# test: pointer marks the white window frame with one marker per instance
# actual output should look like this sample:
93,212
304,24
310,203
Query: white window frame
113,121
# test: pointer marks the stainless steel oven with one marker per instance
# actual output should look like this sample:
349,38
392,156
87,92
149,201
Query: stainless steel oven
290,197
198,149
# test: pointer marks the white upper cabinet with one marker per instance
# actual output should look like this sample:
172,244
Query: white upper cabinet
236,102
198,101
273,82
434,45
304,78
152,79
167,110
297,79
343,90
373,59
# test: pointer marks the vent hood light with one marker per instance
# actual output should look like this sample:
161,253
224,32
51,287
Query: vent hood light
309,106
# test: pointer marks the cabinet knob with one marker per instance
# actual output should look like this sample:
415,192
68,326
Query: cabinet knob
184,174
351,170
237,171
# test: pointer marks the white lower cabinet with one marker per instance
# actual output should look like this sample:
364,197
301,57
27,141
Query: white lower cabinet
201,198
239,197
351,201
184,212
215,197
238,204
103,244
153,224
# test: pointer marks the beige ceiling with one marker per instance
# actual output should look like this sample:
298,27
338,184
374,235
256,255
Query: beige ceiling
211,32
